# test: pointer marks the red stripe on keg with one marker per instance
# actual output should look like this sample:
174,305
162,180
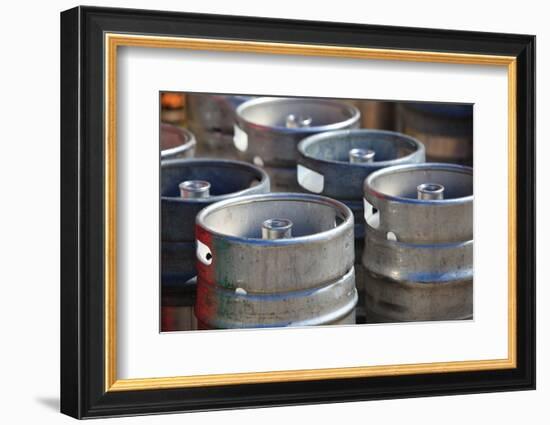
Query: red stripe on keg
205,307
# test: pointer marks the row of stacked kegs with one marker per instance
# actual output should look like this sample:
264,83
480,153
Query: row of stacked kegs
294,214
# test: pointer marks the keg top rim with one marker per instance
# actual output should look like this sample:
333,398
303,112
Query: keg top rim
369,183
354,113
187,136
310,140
342,227
260,173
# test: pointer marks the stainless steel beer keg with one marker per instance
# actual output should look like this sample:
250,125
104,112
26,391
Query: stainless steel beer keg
176,142
269,129
281,259
336,164
419,243
445,129
211,117
187,186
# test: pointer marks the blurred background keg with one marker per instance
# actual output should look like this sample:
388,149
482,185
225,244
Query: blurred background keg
336,163
445,129
269,129
211,118
173,108
176,142
377,115
283,259
419,243
187,186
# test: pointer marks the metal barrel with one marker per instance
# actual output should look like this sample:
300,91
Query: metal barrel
446,130
419,249
211,117
177,307
176,142
377,115
173,108
269,129
336,164
302,274
179,207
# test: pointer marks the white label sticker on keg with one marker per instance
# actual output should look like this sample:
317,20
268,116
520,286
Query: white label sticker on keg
310,180
203,253
240,138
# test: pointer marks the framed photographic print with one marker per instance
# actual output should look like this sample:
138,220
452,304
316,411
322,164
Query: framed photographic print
261,212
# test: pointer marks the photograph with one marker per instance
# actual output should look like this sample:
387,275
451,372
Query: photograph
306,211
269,211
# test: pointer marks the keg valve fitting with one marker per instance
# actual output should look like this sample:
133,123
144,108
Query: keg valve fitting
361,156
194,189
277,228
298,121
430,191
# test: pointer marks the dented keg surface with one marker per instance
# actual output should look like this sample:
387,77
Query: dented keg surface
187,186
446,130
176,142
281,259
336,164
419,243
211,118
268,131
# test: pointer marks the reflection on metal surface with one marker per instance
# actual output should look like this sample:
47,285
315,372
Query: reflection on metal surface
324,167
262,276
194,189
418,249
176,142
429,191
276,228
361,156
273,127
298,121
219,179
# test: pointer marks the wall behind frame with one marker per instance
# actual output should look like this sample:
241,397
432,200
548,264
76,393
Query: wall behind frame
29,159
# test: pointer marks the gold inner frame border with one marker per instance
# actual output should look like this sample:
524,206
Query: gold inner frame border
113,40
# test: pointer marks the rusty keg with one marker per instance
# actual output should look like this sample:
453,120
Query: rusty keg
336,164
187,186
445,129
281,259
268,130
419,243
211,117
176,142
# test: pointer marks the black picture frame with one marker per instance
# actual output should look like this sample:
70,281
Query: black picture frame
83,392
